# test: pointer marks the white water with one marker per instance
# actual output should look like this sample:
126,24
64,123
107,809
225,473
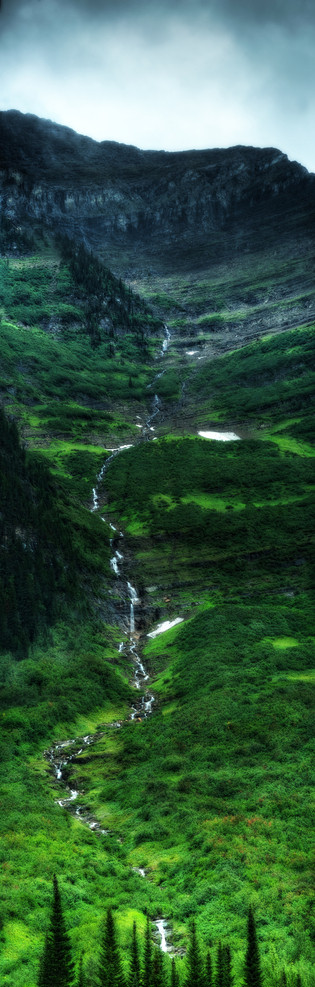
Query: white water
115,561
220,436
70,798
133,599
117,449
167,624
95,500
156,411
114,565
166,341
141,710
160,925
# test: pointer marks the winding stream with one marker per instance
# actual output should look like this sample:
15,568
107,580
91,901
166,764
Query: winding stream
62,754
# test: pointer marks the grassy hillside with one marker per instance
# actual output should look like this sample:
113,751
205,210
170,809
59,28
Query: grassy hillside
211,795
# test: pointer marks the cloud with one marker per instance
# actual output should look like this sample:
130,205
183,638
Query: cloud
178,74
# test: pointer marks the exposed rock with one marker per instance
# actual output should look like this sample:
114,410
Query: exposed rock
114,196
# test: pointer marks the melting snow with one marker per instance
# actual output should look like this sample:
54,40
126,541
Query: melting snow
220,436
167,624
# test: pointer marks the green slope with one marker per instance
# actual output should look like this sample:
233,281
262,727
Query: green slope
211,795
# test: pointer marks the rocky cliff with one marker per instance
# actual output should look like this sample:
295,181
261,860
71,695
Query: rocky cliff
208,203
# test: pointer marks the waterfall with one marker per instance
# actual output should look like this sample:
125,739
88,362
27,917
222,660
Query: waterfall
166,341
133,599
160,925
95,500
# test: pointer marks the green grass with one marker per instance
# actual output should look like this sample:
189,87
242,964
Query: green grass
219,821
212,795
263,382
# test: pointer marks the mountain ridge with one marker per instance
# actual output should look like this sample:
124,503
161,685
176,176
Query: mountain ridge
115,195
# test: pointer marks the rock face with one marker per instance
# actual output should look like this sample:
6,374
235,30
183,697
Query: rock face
206,203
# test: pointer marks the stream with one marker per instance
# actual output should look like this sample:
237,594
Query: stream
62,754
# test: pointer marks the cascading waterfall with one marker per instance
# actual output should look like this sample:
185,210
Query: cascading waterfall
62,754
161,928
133,596
166,341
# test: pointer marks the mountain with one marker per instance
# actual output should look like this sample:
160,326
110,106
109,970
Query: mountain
157,318
163,202
176,227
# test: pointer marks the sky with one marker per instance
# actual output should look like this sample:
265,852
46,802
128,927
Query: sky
172,74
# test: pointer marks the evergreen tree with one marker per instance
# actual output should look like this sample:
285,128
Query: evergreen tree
194,965
134,974
174,975
56,968
208,976
44,964
219,973
227,967
81,978
157,968
147,957
252,972
110,972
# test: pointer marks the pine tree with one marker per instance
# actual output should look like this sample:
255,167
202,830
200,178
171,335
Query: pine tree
147,957
157,968
194,965
110,967
81,978
134,974
44,964
208,976
252,972
227,967
174,975
56,968
219,973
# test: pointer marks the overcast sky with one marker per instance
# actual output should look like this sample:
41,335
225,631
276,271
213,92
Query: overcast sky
170,74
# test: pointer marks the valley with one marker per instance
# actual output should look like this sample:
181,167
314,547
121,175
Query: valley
157,711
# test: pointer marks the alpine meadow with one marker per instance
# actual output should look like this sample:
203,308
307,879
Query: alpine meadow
157,314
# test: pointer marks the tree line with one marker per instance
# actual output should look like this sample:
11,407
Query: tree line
106,299
57,968
36,555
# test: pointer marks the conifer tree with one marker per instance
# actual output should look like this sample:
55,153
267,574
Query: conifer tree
147,957
134,973
110,972
81,978
174,975
252,972
194,977
157,968
208,974
227,967
56,968
219,973
44,963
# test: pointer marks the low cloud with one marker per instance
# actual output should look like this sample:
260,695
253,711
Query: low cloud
176,75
